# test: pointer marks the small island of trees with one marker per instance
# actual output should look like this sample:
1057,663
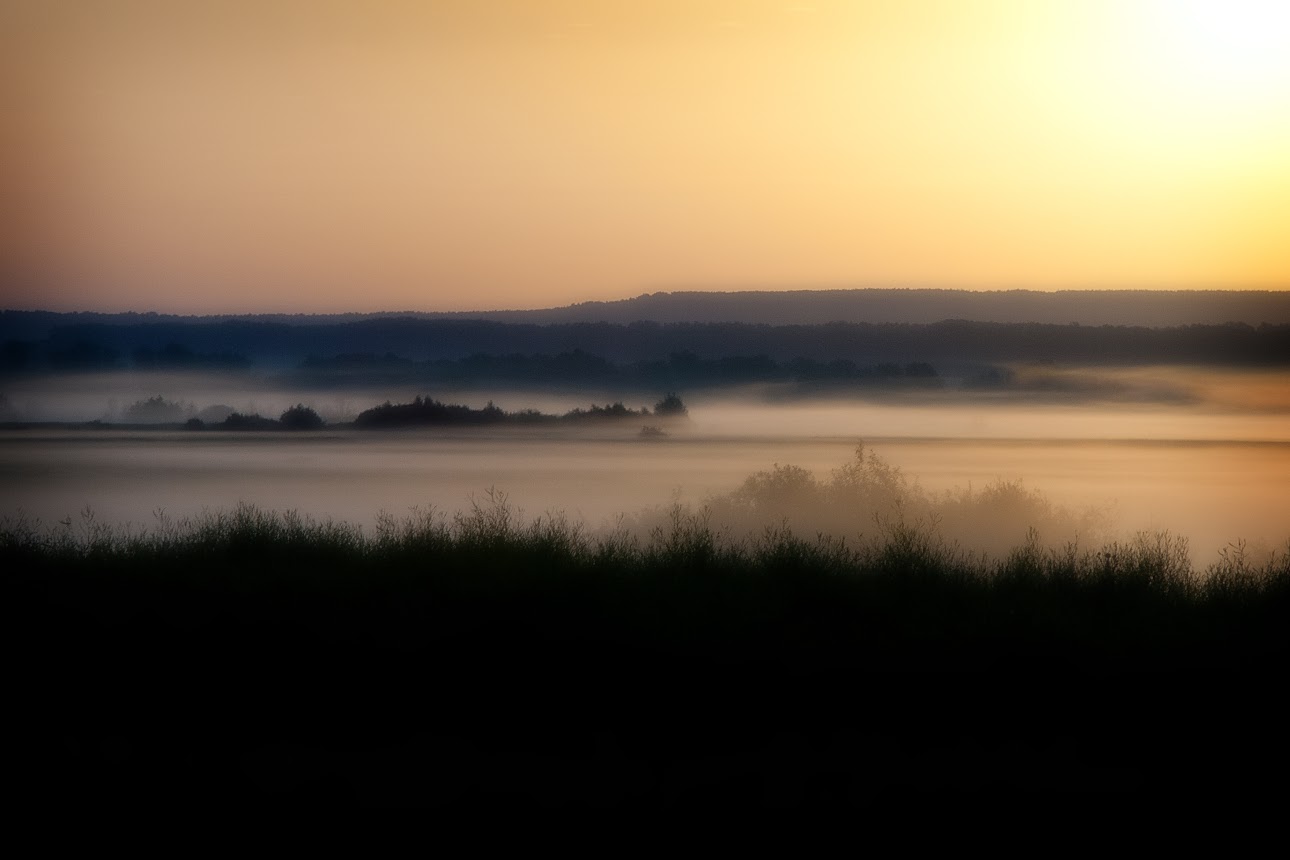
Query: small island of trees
157,412
298,417
427,412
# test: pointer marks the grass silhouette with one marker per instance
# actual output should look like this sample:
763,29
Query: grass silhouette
483,658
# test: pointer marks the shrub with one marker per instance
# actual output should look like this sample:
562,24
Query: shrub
671,407
238,421
154,410
300,417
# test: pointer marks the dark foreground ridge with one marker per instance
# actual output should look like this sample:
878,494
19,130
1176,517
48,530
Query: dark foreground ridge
256,658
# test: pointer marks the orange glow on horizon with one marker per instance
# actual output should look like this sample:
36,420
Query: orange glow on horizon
298,156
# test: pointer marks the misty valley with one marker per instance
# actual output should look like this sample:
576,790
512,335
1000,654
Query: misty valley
491,405
1214,491
677,577
1195,450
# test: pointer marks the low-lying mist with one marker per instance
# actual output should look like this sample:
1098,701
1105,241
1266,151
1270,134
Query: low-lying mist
1031,400
868,497
983,495
1074,453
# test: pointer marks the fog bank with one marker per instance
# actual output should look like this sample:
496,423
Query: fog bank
986,492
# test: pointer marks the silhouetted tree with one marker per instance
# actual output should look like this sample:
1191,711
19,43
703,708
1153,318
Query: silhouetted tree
300,417
609,410
154,410
670,407
424,411
238,421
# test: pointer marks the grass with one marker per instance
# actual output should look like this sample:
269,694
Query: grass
485,658
1136,605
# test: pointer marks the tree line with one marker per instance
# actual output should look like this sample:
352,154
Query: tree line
420,412
277,346
428,412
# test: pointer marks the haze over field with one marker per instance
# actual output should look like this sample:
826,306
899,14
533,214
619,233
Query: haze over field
1213,492
1127,163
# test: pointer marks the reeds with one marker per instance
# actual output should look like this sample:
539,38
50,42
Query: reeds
484,658
1140,597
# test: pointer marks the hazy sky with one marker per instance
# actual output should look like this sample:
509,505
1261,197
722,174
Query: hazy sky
314,155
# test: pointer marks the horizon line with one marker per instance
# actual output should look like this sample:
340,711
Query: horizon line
745,292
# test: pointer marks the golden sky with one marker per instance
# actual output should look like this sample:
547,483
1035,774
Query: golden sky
323,156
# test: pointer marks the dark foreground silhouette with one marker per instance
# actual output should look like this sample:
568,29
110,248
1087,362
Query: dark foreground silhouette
258,658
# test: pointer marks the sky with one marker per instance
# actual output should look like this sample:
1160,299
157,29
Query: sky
322,156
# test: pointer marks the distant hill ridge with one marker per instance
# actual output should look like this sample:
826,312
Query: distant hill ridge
33,341
1152,308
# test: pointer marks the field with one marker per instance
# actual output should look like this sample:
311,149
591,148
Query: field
826,586
480,405
253,657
